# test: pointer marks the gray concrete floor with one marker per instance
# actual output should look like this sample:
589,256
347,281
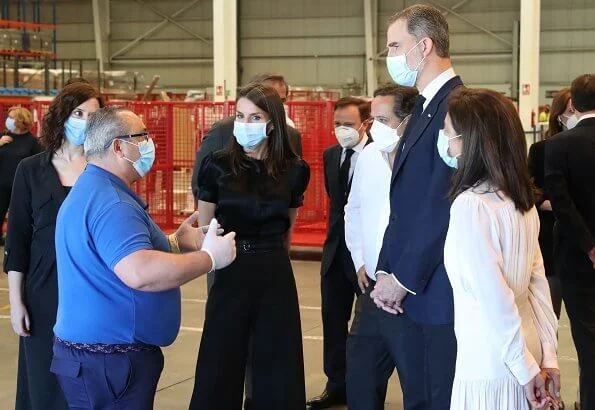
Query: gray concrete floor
175,386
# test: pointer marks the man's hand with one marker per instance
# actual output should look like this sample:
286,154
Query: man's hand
592,257
189,237
362,278
387,295
5,139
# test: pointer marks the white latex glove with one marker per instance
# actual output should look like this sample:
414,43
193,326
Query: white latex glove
221,249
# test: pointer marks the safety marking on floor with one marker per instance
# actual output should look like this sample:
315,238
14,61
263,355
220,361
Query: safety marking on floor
191,300
5,307
4,317
199,329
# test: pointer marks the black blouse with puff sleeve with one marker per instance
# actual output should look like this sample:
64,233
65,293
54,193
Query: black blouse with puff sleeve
253,204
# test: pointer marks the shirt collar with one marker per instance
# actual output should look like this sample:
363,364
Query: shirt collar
95,170
436,84
360,145
585,116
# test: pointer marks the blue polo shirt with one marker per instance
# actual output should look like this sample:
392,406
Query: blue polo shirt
101,222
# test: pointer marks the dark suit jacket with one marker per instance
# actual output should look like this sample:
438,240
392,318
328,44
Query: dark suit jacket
335,235
546,218
569,181
218,138
413,245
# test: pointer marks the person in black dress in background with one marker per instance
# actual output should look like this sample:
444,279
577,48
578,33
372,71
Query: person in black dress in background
40,185
560,113
254,188
16,144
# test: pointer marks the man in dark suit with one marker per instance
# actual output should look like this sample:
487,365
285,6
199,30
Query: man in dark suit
569,176
338,281
412,286
221,133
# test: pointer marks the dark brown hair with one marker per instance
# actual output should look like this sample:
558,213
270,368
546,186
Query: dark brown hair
279,152
405,98
559,104
362,106
263,78
426,21
71,96
494,146
582,91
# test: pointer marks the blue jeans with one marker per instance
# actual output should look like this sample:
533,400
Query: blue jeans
107,381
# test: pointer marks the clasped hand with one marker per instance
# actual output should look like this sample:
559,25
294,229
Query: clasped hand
544,390
387,294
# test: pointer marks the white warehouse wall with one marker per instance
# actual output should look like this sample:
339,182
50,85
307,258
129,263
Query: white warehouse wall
321,43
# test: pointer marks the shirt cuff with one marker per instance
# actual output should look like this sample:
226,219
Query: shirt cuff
524,368
550,356
358,261
396,280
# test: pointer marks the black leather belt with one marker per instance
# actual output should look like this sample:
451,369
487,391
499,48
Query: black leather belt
259,245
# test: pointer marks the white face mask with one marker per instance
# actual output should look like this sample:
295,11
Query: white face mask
571,122
347,137
385,138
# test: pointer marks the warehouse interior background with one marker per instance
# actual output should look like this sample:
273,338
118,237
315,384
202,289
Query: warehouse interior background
320,48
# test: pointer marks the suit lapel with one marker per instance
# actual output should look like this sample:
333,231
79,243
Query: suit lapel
418,129
336,164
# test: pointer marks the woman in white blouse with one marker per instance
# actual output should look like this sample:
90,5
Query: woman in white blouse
504,320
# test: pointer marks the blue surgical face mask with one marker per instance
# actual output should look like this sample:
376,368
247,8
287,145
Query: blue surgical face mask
147,156
250,135
10,124
399,70
442,145
74,130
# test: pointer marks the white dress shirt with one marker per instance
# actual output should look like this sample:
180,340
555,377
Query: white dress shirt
357,149
368,208
585,116
436,84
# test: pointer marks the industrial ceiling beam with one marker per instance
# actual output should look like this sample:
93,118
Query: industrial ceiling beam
456,6
100,30
173,21
147,33
369,10
471,23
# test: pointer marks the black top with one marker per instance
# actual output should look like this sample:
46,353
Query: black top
253,204
537,168
219,138
22,146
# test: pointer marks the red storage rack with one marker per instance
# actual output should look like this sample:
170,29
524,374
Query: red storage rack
177,129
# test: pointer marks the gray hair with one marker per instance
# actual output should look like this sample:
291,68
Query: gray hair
102,127
426,21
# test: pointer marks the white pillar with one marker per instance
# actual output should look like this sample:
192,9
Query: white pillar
370,34
529,61
101,27
225,61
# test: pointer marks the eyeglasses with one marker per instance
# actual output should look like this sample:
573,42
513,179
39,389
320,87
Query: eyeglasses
145,134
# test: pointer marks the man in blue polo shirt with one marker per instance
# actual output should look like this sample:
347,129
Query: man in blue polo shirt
118,278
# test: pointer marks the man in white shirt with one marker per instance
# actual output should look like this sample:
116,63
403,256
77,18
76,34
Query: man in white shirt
369,364
338,282
411,281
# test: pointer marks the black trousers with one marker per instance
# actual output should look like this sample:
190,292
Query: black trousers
580,306
5,192
556,294
254,300
369,363
425,357
338,290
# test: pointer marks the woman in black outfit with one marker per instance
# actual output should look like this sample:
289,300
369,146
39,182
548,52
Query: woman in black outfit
40,185
253,188
560,113
16,144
